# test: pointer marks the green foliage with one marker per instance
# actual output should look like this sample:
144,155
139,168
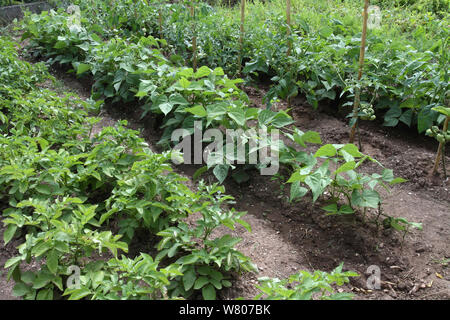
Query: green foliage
406,65
62,189
306,286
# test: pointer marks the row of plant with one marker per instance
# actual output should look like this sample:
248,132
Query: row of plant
74,200
62,190
404,77
135,68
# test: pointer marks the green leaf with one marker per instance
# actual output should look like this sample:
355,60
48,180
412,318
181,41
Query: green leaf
397,180
297,191
200,282
220,172
327,150
346,209
317,183
296,176
387,175
145,87
443,110
45,294
8,234
77,294
218,71
21,289
424,119
202,72
265,117
184,83
198,110
177,98
209,292
309,137
346,167
331,208
352,150
52,261
28,277
44,189
187,72
189,278
199,172
245,224
282,119
238,115
83,67
165,107
12,261
368,198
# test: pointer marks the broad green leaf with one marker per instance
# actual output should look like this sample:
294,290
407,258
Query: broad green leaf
346,167
189,278
45,294
78,294
346,209
220,172
282,119
200,282
331,208
352,150
218,71
9,233
44,189
184,83
198,110
202,72
82,68
52,261
327,150
238,115
165,107
178,99
297,191
309,137
20,289
209,292
443,110
12,261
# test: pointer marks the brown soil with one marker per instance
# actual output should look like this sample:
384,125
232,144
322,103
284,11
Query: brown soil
286,237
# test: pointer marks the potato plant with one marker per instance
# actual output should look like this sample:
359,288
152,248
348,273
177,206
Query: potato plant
63,189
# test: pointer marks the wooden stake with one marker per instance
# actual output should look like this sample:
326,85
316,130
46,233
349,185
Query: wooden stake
241,40
361,64
194,40
439,152
288,20
160,23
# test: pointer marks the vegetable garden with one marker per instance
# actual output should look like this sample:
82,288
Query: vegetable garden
94,211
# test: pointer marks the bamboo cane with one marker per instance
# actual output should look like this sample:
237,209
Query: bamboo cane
194,40
288,21
241,40
361,64
439,152
160,23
